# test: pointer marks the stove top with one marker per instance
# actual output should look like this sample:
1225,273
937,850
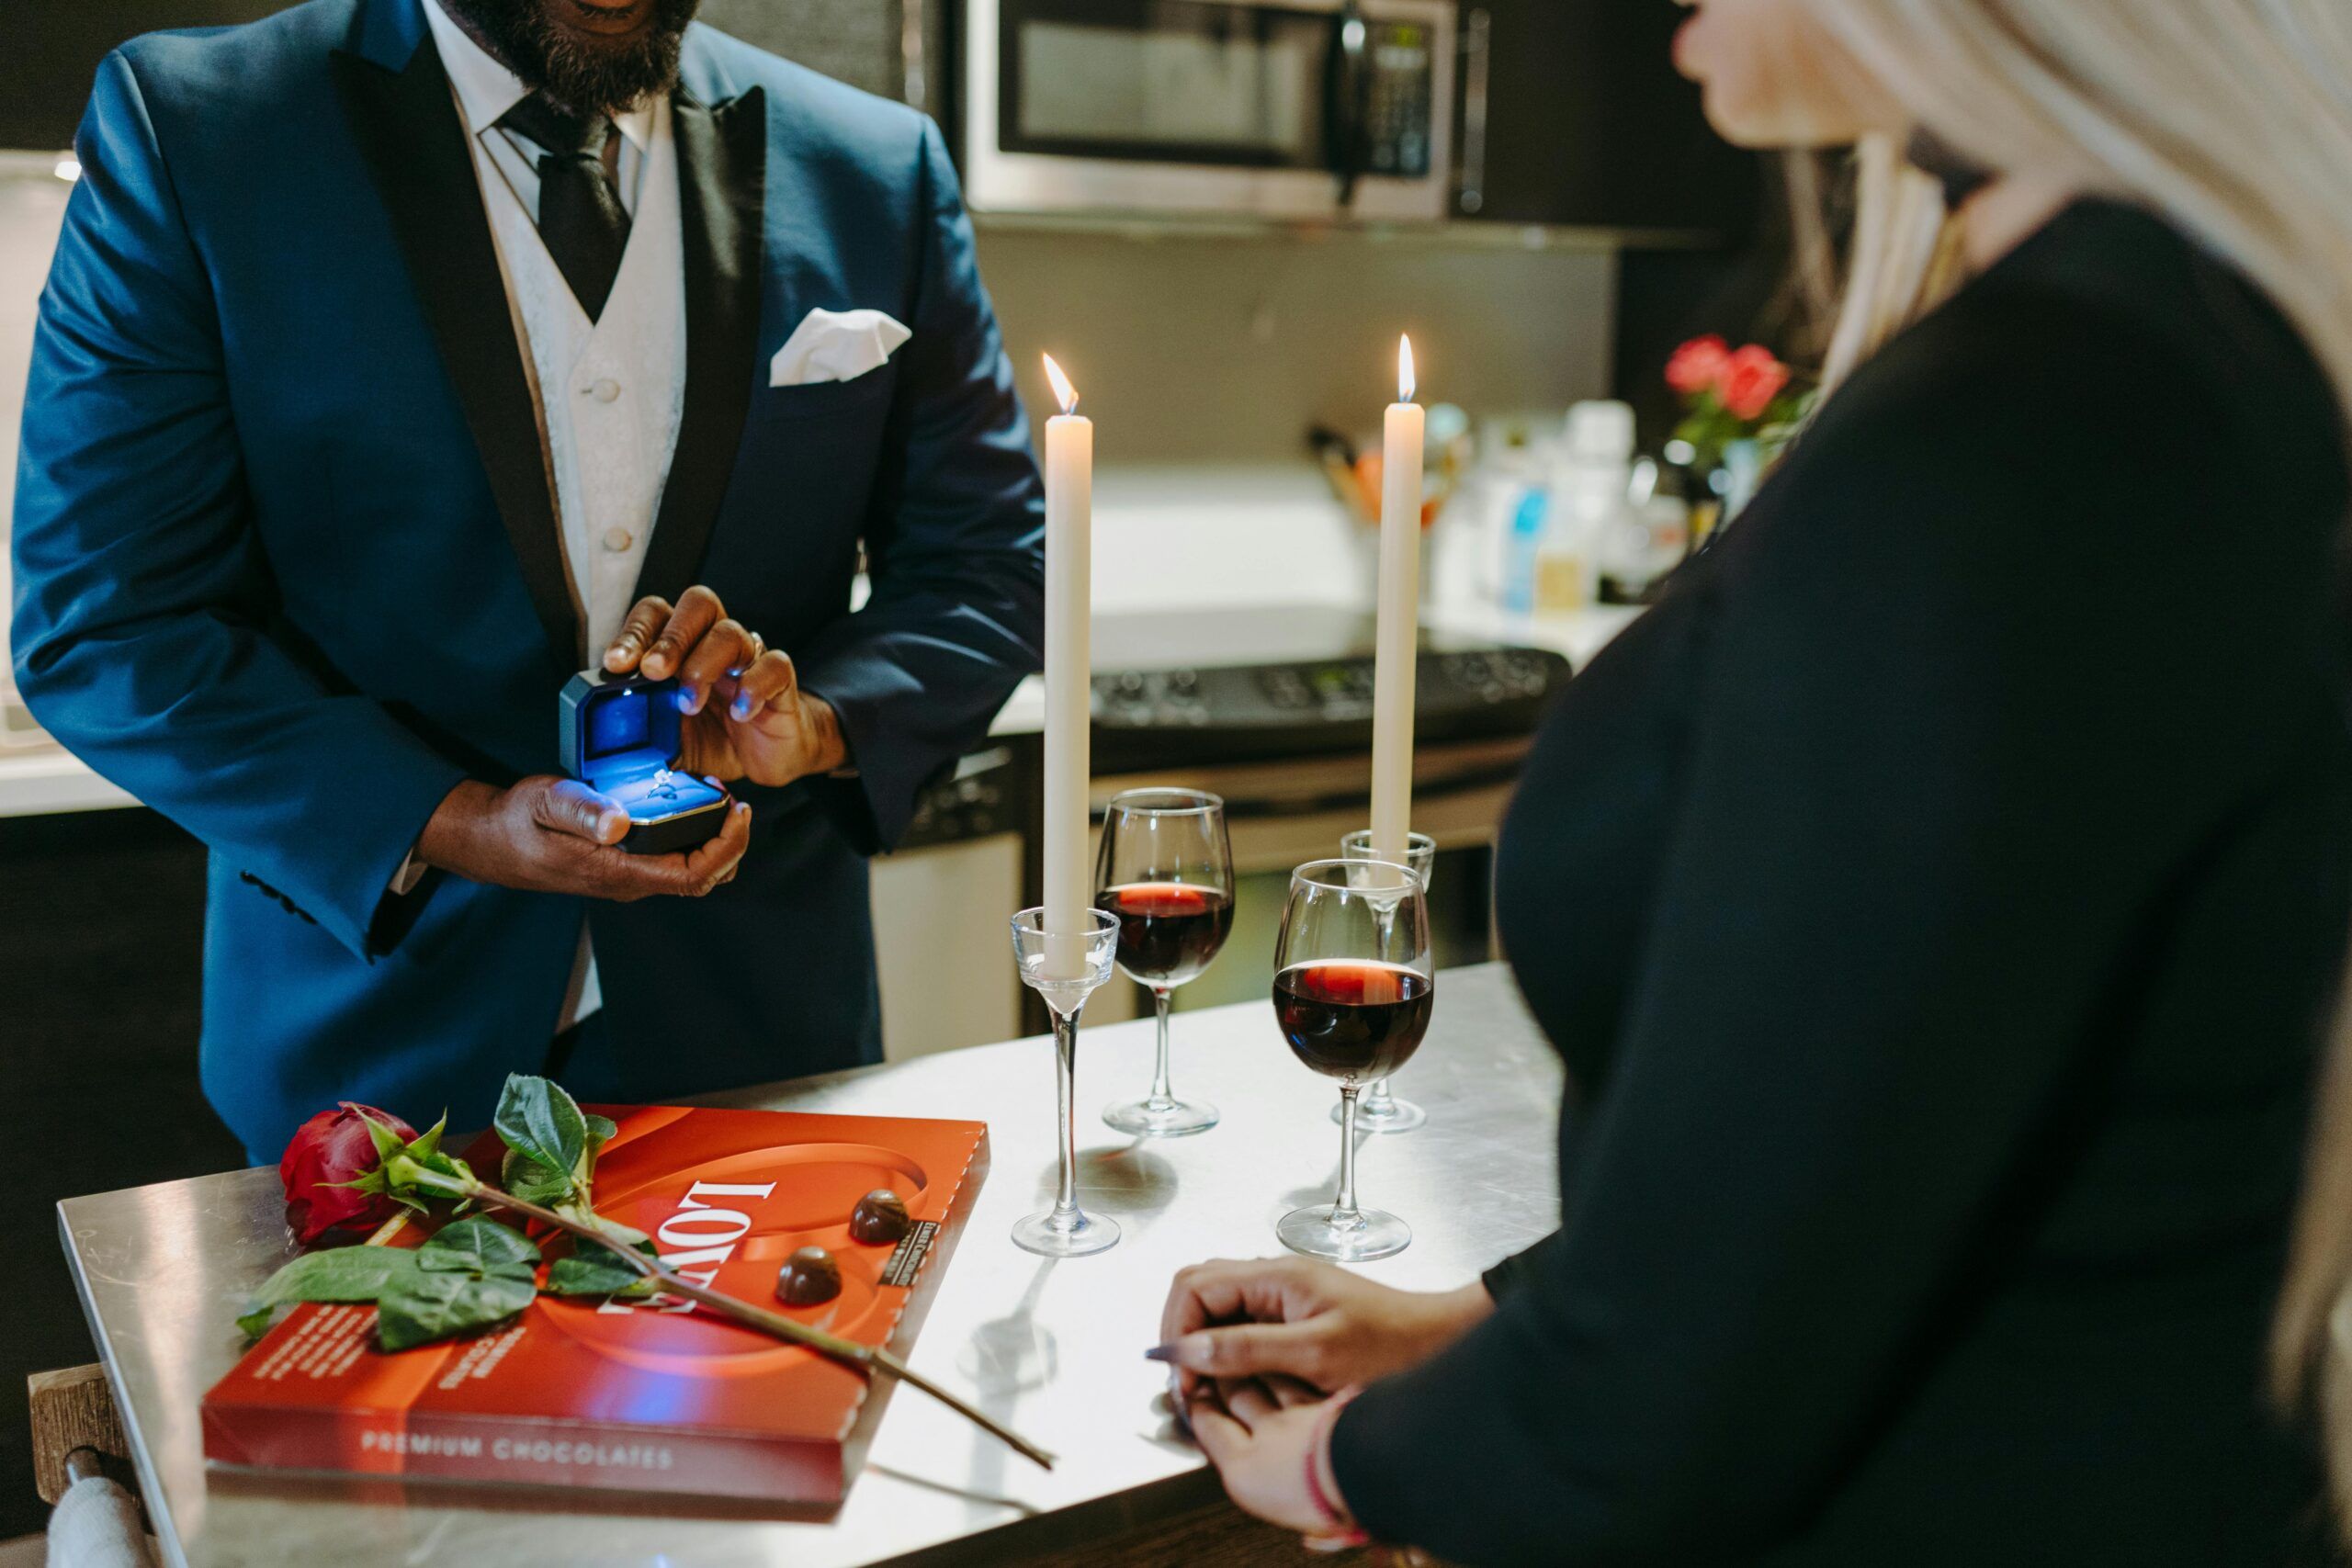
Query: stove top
1177,689
1225,639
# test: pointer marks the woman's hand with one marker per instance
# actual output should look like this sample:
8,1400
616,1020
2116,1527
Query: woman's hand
1262,1434
746,716
1311,1320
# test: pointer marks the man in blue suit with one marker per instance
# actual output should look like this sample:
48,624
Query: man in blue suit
402,358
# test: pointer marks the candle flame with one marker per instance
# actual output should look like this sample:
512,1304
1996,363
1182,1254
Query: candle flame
1407,383
1065,394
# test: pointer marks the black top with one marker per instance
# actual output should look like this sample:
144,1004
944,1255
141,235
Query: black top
1936,899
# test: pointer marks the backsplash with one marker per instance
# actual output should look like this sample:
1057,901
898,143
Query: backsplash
1216,350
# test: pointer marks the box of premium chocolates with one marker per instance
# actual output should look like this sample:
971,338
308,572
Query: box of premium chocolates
650,1395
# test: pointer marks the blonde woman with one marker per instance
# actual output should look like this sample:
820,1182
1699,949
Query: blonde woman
1938,898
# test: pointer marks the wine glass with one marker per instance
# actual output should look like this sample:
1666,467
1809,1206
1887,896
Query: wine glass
1354,985
1065,969
1166,875
1379,1111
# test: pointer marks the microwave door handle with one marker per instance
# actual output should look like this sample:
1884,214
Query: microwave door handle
1478,56
1347,89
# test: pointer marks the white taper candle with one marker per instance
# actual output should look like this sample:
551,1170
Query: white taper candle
1398,637
1070,528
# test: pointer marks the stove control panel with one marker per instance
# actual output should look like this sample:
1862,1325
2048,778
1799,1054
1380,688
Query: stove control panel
1320,707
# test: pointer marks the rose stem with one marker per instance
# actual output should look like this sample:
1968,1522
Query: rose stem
865,1357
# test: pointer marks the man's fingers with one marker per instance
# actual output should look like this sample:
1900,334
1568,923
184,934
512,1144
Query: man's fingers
766,682
726,648
713,863
567,806
646,619
699,610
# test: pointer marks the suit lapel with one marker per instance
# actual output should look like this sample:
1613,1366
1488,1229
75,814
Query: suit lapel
722,190
407,125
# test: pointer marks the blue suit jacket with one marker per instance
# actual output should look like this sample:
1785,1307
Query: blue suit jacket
288,570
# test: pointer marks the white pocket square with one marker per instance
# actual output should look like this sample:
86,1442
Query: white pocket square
836,345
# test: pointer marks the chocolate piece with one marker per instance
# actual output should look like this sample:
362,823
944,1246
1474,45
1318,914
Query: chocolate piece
808,1277
880,1219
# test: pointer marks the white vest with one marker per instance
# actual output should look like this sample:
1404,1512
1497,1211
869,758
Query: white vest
610,393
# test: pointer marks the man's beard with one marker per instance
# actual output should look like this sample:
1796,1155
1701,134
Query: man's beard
581,76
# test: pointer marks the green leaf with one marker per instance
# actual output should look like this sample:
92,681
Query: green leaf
602,1129
542,1122
480,1245
534,1183
421,1307
342,1274
612,1230
592,1270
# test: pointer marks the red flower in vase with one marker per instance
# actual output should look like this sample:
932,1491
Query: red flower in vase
1751,380
329,1150
1699,366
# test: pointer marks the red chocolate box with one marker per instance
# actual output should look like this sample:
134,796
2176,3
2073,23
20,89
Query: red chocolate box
658,1396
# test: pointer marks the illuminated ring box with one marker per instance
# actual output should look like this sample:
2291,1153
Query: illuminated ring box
621,736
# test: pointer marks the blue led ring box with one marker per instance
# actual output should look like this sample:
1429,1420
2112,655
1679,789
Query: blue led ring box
621,736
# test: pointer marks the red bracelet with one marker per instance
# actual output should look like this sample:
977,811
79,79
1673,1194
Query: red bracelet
1341,1531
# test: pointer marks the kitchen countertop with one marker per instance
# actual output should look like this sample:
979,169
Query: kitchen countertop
1052,1348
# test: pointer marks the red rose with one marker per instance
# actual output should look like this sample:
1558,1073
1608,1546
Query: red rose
328,1150
1698,365
1752,380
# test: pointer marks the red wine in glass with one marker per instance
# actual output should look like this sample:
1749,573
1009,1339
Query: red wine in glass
1352,1019
1168,931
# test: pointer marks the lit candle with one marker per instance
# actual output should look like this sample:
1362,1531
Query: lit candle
1398,642
1070,528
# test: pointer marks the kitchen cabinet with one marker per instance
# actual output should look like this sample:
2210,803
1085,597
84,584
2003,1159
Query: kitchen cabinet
1588,125
62,42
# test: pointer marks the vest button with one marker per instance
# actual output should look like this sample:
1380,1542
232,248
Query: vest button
605,389
617,539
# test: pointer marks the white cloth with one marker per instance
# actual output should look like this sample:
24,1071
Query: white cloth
610,393
836,345
95,1525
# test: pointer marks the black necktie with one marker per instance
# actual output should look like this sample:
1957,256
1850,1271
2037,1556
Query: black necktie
581,215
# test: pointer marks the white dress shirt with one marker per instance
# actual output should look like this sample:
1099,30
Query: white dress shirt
610,391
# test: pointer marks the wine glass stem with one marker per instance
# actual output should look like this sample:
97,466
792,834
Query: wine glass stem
1065,1086
1163,1093
1343,1208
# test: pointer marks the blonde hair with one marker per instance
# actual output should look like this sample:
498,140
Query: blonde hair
2233,119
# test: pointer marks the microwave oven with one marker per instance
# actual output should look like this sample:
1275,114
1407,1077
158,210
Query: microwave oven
1264,108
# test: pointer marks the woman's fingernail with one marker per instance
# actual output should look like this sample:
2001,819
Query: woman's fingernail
742,708
686,699
1160,1353
1195,1350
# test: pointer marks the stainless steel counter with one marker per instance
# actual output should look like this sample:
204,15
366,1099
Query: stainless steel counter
1054,1348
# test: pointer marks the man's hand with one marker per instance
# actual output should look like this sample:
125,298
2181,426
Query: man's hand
746,714
556,835
1311,1320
